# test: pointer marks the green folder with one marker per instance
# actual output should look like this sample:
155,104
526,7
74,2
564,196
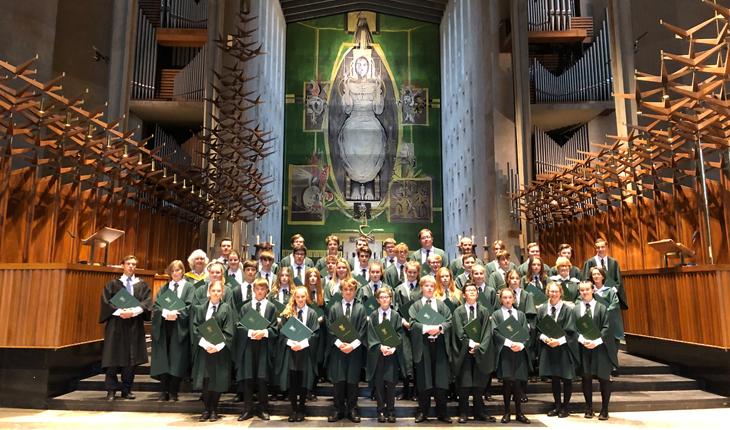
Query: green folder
387,334
336,298
253,320
211,331
450,304
587,328
473,330
538,295
513,330
370,304
403,310
317,310
550,328
123,300
343,330
295,330
428,316
170,301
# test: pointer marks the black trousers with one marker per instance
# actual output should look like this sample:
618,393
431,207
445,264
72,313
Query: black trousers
297,391
112,383
345,397
478,401
261,388
384,391
439,394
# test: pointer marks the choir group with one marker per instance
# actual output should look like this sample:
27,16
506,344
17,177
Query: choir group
442,328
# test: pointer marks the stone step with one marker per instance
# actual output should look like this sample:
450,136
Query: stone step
539,403
650,382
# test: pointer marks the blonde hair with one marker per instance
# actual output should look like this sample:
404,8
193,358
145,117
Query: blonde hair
174,264
562,261
290,309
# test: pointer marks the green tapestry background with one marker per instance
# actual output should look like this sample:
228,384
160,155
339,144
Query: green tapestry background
314,200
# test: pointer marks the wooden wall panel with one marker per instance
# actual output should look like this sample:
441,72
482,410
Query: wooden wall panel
690,304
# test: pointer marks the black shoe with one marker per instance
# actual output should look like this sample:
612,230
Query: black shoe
615,373
420,417
403,396
173,397
445,419
238,398
588,414
128,396
246,415
523,419
214,416
524,398
280,396
164,397
354,417
391,418
505,419
488,398
300,417
292,418
462,419
563,413
110,395
335,417
603,416
381,417
553,413
204,416
263,415
311,397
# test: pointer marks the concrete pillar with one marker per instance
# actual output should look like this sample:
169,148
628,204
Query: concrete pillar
124,30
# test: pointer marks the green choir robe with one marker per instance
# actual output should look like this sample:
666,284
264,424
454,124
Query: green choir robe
307,357
236,294
124,342
422,358
523,270
493,265
511,365
562,360
402,295
613,277
392,366
569,286
392,274
343,367
215,366
175,359
601,360
574,272
496,281
265,348
287,262
608,296
472,370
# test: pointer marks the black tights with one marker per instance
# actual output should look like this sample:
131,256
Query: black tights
567,392
605,385
509,388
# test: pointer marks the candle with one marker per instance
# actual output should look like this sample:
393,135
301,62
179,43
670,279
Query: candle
271,239
458,238
485,241
257,239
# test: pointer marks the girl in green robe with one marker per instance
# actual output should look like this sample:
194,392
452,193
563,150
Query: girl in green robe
212,363
171,335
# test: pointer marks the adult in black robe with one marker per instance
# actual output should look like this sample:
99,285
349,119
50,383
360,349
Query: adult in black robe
124,342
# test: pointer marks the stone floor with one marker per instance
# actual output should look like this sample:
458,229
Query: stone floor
28,419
